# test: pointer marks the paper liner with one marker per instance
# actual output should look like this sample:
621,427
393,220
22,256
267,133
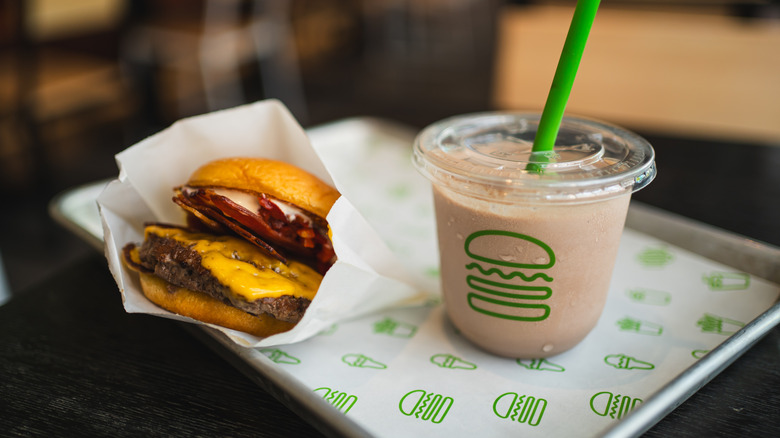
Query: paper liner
367,276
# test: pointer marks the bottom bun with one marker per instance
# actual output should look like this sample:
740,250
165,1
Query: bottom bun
204,308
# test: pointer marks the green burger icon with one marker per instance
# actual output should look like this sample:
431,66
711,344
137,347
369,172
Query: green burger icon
506,278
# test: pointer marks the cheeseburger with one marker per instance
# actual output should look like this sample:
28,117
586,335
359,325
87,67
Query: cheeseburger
254,250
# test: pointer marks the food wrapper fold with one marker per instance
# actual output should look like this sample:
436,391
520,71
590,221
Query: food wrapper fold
367,277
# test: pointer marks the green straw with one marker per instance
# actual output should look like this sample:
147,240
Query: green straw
550,123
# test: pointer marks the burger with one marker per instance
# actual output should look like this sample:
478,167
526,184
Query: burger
252,253
509,289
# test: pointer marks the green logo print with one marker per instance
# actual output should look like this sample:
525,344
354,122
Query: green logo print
640,327
719,325
649,296
624,362
279,356
432,301
615,406
503,297
524,409
341,400
698,354
391,327
655,257
452,362
540,365
425,406
399,191
329,331
727,280
361,361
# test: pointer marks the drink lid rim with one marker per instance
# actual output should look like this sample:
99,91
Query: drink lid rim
433,157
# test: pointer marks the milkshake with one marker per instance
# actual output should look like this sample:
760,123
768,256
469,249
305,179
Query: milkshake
527,242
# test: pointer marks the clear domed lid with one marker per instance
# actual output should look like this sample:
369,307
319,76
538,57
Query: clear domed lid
490,155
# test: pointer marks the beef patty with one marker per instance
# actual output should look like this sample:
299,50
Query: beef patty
181,266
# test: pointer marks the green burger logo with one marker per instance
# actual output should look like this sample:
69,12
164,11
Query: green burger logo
497,287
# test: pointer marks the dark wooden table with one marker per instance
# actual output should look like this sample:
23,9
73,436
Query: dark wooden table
73,362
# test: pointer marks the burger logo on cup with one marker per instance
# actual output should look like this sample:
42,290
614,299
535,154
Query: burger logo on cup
506,277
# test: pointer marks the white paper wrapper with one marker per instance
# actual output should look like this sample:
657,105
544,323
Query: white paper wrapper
367,277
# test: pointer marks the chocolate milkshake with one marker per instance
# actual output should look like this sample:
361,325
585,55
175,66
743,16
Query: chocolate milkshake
527,255
520,297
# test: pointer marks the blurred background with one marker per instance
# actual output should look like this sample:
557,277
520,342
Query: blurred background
81,80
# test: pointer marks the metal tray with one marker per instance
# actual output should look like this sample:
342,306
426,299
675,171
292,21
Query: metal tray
76,210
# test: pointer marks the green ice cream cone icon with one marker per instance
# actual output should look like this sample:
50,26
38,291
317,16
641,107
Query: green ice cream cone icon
727,280
452,362
540,365
362,361
329,331
624,362
279,356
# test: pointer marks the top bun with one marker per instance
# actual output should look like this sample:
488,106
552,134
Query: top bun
276,178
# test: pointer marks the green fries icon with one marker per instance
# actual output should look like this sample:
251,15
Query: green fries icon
718,281
720,325
649,296
655,257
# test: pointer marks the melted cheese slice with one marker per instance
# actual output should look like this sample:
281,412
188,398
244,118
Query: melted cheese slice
242,267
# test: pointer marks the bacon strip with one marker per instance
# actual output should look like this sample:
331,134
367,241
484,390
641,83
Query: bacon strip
303,237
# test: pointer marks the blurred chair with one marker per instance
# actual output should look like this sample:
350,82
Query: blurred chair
430,49
696,71
53,91
450,33
5,289
193,62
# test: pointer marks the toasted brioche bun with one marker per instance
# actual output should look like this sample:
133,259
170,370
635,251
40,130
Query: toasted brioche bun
278,179
204,308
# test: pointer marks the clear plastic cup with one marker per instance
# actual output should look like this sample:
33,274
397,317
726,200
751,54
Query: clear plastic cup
528,240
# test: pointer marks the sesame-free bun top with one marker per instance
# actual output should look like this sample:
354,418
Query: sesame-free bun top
276,178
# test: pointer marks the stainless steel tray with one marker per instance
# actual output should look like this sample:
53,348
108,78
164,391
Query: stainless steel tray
76,210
